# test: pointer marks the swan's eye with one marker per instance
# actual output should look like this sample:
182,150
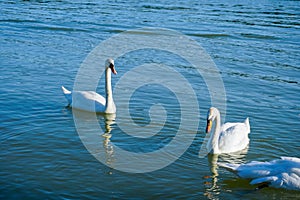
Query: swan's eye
111,65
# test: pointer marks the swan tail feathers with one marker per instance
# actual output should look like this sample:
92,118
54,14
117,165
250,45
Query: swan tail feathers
247,124
68,94
65,91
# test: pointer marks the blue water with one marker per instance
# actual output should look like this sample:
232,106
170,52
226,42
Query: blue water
255,46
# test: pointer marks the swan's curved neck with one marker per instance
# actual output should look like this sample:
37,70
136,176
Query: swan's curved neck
109,98
214,138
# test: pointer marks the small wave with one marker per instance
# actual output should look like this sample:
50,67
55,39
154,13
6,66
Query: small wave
258,36
209,35
163,7
57,28
18,21
277,79
278,13
266,78
280,25
34,24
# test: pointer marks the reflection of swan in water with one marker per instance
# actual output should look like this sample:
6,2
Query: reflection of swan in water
213,191
95,133
228,138
109,149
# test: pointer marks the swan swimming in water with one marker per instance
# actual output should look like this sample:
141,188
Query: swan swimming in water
228,138
92,101
279,173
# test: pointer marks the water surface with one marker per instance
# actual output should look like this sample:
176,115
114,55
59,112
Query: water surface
255,45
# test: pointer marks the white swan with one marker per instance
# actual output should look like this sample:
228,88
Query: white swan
279,173
228,138
92,101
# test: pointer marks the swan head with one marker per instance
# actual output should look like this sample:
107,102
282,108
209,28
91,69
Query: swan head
211,115
110,64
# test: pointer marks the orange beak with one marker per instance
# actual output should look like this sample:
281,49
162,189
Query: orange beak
208,126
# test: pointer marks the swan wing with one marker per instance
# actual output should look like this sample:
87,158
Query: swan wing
280,173
88,101
292,159
233,137
251,170
256,169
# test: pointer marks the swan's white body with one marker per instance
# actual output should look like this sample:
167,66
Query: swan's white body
91,101
228,138
279,173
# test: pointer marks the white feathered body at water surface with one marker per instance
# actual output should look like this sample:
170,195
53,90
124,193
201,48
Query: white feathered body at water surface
228,138
91,101
279,173
85,100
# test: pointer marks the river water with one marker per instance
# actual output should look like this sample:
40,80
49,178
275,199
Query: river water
254,45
